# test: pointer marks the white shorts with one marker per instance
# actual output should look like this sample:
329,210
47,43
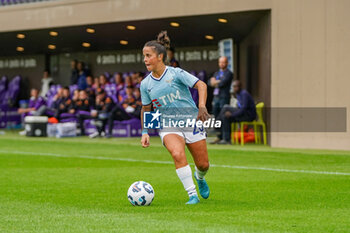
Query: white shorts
190,136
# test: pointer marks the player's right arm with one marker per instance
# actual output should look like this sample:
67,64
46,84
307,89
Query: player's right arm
146,107
145,136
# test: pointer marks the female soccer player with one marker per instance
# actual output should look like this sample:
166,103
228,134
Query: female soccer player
167,89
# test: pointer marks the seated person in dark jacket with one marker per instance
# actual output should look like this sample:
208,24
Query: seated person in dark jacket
131,102
81,104
119,113
63,104
137,104
57,99
245,111
81,108
103,108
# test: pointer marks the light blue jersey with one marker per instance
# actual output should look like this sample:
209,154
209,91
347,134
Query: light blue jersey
170,93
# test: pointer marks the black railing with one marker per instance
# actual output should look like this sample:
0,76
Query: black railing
18,2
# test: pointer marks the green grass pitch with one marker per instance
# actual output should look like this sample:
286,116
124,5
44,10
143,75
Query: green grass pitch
80,185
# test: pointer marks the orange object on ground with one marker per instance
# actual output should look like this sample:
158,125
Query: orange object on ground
247,136
53,120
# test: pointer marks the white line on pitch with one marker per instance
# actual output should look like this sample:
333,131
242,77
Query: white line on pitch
168,162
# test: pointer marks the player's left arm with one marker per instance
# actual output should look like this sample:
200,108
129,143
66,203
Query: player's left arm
203,114
191,81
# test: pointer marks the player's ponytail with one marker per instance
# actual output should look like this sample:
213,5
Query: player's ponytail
161,45
164,39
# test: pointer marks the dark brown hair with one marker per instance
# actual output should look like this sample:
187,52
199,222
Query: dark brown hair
161,45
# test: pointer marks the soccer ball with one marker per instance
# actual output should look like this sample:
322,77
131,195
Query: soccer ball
140,193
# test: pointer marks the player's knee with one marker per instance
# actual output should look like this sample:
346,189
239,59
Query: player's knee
178,156
203,166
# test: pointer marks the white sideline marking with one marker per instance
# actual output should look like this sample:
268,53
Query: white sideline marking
168,162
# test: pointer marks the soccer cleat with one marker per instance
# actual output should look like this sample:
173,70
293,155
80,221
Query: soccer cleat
202,186
193,200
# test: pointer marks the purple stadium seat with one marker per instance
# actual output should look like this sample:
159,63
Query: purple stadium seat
72,88
89,127
69,117
12,92
111,90
81,112
12,117
3,86
51,94
8,114
9,117
122,93
128,128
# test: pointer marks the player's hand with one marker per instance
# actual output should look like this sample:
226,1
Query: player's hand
203,114
145,140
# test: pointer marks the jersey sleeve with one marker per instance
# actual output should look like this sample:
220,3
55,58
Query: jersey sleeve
186,78
145,98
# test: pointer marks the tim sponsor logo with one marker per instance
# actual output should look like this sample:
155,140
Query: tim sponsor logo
166,99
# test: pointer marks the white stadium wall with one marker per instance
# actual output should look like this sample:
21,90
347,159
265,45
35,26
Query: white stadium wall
310,49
